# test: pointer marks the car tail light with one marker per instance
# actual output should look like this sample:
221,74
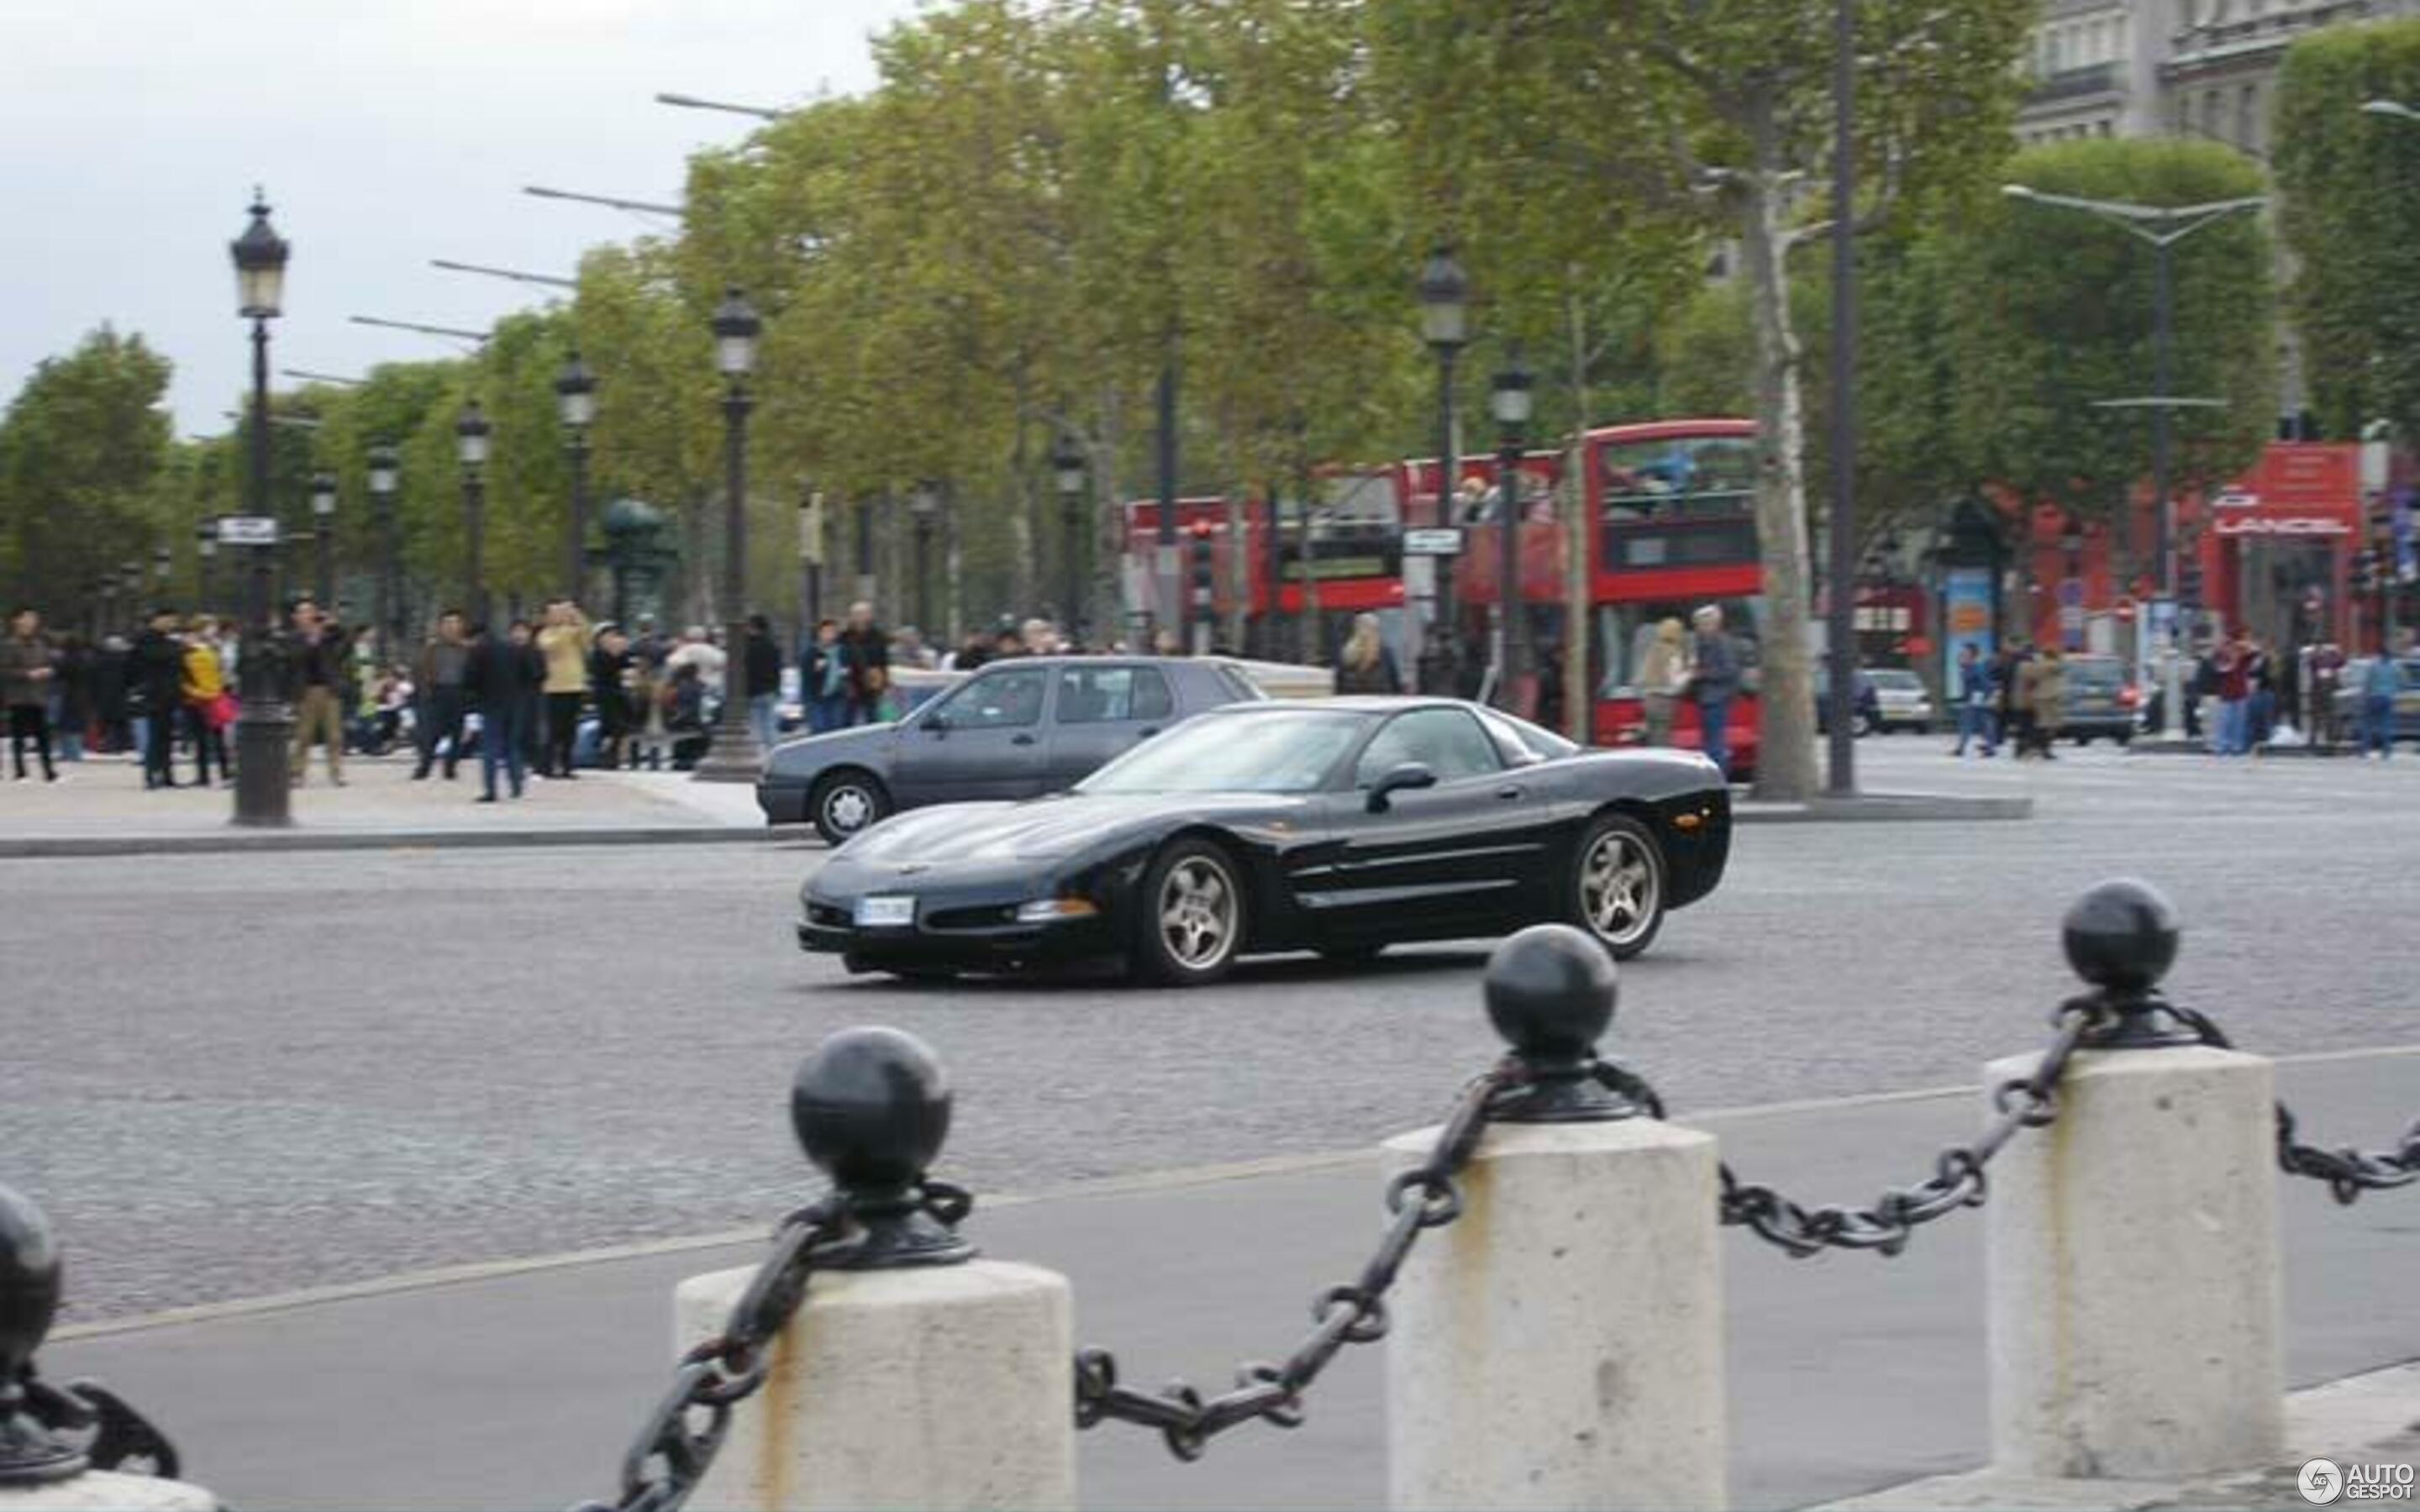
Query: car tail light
2128,698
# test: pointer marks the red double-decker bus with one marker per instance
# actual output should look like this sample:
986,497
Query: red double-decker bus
1353,552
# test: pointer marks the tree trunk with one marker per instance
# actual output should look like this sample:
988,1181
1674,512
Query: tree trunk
1785,768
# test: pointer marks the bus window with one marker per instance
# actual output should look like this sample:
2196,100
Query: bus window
1678,476
1626,631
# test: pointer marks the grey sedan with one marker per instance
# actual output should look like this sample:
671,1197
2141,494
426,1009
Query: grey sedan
1013,730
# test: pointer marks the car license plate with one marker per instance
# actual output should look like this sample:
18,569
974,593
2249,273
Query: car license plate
885,913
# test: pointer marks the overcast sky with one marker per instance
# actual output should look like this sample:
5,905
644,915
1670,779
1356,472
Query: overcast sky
386,131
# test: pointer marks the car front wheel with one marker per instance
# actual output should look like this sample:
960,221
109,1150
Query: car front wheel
1191,924
846,802
1616,890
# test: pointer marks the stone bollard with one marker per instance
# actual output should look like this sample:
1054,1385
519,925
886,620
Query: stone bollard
1561,1346
2134,1326
50,1436
914,1375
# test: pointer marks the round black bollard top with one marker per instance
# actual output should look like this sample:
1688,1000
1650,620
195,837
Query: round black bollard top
1551,991
871,1108
29,1299
2121,937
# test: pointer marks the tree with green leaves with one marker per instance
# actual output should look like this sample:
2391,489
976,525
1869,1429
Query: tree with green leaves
2348,181
83,447
2058,321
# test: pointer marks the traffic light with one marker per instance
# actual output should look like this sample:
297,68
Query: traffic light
2188,582
2364,569
1206,580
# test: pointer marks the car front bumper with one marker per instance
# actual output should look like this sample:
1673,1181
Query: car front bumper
969,923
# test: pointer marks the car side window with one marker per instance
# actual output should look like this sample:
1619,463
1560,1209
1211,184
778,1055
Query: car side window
1106,695
1009,699
1446,741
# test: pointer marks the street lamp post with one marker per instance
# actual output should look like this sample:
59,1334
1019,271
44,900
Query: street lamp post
2162,227
924,507
323,528
734,756
206,551
575,398
383,471
1067,463
1445,324
264,724
1512,400
470,433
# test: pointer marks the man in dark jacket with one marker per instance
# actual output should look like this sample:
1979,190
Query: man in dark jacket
155,684
437,678
501,681
868,648
760,668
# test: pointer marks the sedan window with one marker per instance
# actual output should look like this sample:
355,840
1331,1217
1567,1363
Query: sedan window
1102,695
1446,741
997,700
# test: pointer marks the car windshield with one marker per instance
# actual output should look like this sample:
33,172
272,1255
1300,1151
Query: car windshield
1894,680
1293,751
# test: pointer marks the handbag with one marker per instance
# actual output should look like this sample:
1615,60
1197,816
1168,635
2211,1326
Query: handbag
220,711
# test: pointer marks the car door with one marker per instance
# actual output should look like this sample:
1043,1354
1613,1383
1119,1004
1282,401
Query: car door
984,738
1435,858
1102,710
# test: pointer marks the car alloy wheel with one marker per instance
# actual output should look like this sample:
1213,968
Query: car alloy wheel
1193,923
1620,886
846,804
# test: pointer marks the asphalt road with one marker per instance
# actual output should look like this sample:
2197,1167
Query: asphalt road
230,1075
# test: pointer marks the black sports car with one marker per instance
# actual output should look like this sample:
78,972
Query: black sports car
1341,827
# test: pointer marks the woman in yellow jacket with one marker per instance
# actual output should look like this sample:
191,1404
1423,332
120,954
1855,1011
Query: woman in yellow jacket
565,643
204,687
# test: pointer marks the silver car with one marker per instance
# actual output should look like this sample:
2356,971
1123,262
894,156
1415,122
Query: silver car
1901,700
1014,729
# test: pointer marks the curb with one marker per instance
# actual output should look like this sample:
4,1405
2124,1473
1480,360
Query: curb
301,838
1885,808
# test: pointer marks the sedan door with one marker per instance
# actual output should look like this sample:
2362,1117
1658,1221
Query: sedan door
982,739
1103,710
1460,853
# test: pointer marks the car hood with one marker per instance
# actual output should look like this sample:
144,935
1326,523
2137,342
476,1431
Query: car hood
1060,824
803,758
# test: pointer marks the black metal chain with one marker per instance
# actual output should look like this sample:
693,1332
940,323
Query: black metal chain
1957,1181
674,1451
114,1436
1421,1198
2347,1172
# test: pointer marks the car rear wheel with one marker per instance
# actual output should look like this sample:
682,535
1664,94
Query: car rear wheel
1616,891
846,802
1191,924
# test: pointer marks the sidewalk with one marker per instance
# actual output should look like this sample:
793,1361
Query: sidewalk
519,1385
101,808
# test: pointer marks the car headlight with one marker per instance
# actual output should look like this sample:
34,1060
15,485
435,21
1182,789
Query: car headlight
1051,910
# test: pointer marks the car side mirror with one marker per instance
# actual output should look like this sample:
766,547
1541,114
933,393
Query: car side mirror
938,721
1400,778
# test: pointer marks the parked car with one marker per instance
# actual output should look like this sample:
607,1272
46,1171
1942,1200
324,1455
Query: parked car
1016,729
1868,705
2406,699
1901,699
1341,826
2102,700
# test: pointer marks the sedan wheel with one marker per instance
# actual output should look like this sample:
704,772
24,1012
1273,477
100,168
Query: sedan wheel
1192,919
844,803
1617,885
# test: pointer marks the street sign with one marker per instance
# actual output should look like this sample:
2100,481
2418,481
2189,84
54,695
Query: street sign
1443,541
247,530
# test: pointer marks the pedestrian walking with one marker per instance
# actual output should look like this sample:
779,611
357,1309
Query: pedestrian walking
564,642
2327,677
501,680
206,705
609,685
1972,688
1663,678
760,675
1713,683
2046,700
316,652
441,676
2379,682
2260,712
155,682
71,697
1366,664
28,669
2233,665
869,664
823,678
111,721
683,701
